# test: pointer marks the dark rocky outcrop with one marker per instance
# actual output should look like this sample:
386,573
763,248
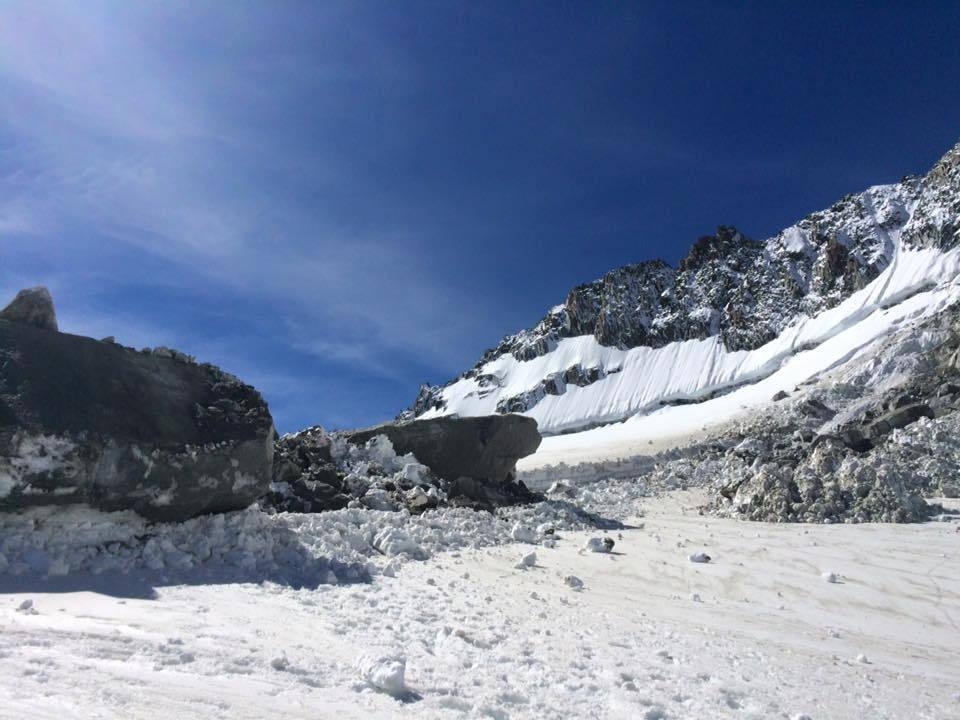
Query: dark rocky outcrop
315,471
483,494
815,408
898,418
83,421
899,412
420,465
32,306
553,384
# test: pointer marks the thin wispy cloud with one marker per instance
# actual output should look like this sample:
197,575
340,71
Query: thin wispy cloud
129,141
145,157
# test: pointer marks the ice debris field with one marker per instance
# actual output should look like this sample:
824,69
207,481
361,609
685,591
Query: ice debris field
360,613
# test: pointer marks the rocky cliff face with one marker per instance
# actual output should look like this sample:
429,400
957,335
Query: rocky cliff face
743,291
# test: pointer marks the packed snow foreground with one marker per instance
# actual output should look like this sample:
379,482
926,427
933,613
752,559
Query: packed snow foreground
686,616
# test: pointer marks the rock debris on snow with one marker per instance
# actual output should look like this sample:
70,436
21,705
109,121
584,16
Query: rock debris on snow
572,581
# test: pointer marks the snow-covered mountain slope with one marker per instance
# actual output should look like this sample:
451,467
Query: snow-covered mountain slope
865,360
734,312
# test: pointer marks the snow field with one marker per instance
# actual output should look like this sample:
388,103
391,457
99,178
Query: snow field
756,633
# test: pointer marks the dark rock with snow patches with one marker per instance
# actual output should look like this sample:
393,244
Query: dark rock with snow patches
417,466
898,418
305,477
83,421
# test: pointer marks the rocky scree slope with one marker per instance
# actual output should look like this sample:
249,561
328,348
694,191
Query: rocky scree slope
870,444
875,440
743,292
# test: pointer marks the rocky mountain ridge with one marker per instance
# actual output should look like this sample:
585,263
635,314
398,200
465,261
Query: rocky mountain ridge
729,286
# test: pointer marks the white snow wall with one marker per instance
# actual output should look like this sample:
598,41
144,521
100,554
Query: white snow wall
641,379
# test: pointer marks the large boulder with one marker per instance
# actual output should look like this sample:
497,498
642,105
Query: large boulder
863,436
90,422
32,306
477,455
485,447
898,418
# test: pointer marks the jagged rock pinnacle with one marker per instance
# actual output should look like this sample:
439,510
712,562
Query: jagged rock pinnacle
32,306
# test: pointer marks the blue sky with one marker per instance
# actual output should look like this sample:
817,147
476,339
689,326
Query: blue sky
338,201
